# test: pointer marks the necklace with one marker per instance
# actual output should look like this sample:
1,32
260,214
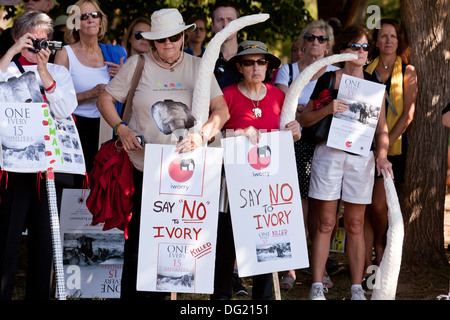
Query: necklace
172,65
385,66
257,112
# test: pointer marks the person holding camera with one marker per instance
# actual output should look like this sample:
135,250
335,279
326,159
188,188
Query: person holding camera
24,203
6,40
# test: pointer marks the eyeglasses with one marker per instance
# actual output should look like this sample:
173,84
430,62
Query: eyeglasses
138,35
310,38
357,46
251,63
174,38
94,15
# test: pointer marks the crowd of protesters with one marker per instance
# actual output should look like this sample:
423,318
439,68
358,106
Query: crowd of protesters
89,79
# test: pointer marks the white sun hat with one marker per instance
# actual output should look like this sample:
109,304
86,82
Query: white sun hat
166,23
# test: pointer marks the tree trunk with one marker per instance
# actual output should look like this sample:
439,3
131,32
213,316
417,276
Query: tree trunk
426,25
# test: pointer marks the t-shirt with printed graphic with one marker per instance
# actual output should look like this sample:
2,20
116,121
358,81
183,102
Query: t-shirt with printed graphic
157,85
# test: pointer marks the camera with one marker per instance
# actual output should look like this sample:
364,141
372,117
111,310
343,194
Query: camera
44,44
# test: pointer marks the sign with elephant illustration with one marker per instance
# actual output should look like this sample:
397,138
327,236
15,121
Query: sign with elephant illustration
32,140
92,257
180,200
354,129
265,204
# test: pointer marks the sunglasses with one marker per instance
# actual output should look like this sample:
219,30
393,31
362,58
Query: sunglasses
357,46
138,35
174,38
94,15
310,38
251,63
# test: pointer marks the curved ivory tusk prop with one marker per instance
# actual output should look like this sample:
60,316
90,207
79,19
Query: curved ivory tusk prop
291,101
387,274
202,98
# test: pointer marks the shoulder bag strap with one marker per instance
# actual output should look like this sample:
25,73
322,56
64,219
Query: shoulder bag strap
332,81
19,66
290,74
126,113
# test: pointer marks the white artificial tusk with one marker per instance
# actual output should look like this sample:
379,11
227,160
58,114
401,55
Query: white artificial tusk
291,101
201,98
387,274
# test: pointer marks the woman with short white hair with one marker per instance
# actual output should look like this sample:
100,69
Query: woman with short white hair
24,201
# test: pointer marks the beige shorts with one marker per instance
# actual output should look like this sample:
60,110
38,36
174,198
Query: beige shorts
336,174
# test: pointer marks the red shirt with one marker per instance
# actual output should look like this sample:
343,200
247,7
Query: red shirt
240,108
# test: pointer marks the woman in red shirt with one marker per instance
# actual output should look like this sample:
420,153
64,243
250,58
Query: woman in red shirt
254,106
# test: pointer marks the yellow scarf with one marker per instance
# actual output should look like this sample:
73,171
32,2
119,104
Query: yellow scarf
396,97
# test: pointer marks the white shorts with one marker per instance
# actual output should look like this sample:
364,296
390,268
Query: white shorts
336,174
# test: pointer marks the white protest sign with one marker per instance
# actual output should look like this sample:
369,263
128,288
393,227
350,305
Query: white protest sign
93,258
180,197
265,204
354,129
33,140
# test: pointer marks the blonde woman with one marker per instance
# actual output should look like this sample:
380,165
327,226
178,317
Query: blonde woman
91,66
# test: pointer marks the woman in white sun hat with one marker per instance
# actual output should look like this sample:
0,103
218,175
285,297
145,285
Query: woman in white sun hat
168,74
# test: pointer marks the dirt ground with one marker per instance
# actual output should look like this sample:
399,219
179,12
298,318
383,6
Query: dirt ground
427,284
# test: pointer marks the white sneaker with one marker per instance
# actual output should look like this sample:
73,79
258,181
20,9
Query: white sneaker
317,292
327,283
358,293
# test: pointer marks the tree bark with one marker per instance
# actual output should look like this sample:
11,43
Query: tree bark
426,25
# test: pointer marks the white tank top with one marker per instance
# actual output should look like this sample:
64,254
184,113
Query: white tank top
85,78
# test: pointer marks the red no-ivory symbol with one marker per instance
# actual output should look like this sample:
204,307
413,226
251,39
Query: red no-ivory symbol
181,170
259,157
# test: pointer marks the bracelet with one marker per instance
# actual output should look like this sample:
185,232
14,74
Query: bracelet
203,135
117,126
51,87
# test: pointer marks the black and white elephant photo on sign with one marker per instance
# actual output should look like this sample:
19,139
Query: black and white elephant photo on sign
172,117
19,145
363,112
22,89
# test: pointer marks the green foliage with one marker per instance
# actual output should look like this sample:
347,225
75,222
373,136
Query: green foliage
287,17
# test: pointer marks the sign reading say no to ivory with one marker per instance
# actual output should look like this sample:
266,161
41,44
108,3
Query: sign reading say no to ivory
177,243
265,204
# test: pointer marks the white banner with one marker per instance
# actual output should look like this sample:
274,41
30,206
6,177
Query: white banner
265,204
353,130
177,243
92,258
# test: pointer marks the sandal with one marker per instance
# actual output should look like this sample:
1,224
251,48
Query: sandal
287,282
